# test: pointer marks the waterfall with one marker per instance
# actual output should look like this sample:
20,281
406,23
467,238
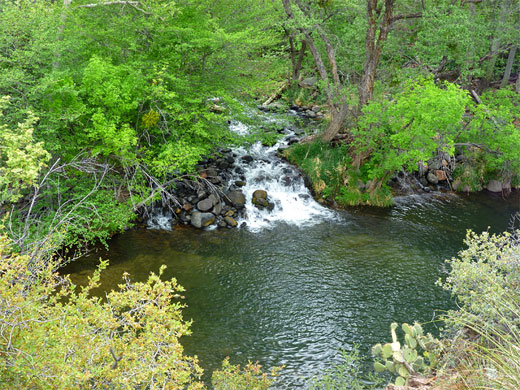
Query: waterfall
257,167
284,184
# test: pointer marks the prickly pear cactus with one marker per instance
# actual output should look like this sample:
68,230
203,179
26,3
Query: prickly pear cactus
419,353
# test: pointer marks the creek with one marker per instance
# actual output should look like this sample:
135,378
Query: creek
296,285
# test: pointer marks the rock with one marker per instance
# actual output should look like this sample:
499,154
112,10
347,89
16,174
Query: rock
310,114
434,165
222,164
432,178
308,82
260,203
211,171
260,194
215,180
218,208
441,175
229,213
240,183
217,109
231,221
230,160
422,169
205,204
426,189
200,220
292,140
222,224
236,198
187,206
494,186
247,159
316,109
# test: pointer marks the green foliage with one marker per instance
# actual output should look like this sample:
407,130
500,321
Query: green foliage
494,125
484,330
418,354
57,335
21,157
326,166
251,377
132,88
422,120
346,375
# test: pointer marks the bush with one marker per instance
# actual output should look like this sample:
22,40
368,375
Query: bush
346,375
251,377
485,333
55,335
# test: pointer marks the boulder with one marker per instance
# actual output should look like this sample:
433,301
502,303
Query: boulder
432,178
260,194
217,209
240,183
236,198
494,186
308,82
441,175
247,159
200,220
205,204
231,221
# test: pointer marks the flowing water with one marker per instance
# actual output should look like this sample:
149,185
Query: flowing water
296,285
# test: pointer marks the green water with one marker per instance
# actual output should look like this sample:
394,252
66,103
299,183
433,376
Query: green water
296,296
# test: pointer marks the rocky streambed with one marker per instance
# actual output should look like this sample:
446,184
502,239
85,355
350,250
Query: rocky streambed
250,187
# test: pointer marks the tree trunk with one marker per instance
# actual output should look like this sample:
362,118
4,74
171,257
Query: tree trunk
509,66
339,115
373,47
495,43
297,65
61,28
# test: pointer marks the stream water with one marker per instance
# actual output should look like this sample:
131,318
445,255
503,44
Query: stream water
297,285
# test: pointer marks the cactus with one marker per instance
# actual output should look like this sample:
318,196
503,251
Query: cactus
418,353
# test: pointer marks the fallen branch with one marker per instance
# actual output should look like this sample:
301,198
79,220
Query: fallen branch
276,95
482,147
479,101
133,4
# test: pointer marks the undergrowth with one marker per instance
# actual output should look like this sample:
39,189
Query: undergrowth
330,171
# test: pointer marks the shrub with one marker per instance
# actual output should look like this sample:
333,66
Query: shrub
347,375
251,377
53,334
485,333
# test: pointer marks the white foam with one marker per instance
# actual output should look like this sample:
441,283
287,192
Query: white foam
293,202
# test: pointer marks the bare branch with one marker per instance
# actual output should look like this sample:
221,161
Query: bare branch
133,4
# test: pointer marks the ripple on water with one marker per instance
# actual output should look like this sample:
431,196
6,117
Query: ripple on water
296,295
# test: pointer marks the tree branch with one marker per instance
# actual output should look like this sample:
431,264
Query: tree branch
133,4
408,16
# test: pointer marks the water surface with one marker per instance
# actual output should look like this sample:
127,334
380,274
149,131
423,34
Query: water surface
294,296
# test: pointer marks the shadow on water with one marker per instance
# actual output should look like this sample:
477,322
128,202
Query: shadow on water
296,296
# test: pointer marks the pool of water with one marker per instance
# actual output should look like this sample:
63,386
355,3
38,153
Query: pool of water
294,296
